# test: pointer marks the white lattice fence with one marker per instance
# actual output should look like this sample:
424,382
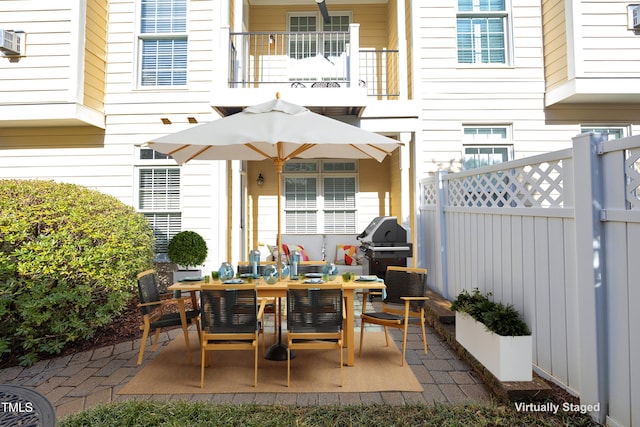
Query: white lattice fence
539,184
530,231
428,192
632,168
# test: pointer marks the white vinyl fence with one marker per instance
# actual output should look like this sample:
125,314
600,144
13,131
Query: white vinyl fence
557,236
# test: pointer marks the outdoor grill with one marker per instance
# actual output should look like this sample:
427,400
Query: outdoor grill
384,242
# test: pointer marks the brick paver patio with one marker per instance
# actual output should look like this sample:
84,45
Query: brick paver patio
73,383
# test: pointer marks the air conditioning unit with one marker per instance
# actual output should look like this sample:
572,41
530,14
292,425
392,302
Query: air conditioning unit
11,42
635,13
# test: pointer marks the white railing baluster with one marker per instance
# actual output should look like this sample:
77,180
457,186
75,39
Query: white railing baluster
304,58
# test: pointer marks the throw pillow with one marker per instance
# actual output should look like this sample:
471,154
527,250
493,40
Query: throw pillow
287,249
347,255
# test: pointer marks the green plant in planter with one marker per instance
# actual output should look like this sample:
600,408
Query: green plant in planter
505,320
499,318
187,248
473,304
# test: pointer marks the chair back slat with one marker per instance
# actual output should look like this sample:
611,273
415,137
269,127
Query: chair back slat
245,268
148,290
229,310
305,268
314,309
404,283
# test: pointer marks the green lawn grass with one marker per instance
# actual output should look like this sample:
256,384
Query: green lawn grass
192,414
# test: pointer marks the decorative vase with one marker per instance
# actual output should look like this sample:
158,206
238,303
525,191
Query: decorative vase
270,274
330,271
294,260
284,269
226,271
254,262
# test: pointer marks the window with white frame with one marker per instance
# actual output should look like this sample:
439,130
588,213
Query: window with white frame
320,196
611,132
308,45
482,31
485,145
163,43
159,196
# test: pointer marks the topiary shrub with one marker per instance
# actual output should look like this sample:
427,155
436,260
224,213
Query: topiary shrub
187,248
68,261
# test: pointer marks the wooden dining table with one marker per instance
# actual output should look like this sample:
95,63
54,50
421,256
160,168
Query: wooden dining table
279,290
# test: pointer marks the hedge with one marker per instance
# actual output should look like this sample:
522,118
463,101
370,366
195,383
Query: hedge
68,260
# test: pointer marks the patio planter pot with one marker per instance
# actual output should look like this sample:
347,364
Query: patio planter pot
508,358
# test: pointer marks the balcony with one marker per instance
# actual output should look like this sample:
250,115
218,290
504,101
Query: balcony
311,60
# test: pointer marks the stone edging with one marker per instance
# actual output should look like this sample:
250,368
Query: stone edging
440,318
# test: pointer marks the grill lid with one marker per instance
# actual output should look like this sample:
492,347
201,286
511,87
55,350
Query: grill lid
384,230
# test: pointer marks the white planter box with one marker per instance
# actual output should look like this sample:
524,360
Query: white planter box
507,358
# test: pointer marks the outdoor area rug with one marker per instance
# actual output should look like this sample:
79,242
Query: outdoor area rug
312,371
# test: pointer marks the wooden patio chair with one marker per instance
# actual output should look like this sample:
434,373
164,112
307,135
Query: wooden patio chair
230,321
270,306
155,315
314,320
405,299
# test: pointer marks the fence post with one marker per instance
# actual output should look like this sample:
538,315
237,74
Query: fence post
441,202
590,257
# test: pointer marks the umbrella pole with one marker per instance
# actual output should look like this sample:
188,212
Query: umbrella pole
279,204
278,351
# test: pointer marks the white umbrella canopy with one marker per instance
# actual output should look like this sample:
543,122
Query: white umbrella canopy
276,130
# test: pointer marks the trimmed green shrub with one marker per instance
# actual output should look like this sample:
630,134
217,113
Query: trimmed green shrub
187,248
499,318
68,261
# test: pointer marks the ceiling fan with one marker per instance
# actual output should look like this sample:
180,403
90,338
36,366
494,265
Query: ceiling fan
322,5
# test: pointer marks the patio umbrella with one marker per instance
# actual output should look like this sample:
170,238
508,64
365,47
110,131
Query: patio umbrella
276,130
279,131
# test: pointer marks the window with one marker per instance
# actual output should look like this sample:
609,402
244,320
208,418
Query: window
612,132
335,45
303,45
163,43
339,205
308,45
482,31
485,146
320,197
159,197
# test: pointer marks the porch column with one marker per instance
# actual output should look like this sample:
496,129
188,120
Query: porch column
407,216
354,55
221,73
235,212
238,15
403,72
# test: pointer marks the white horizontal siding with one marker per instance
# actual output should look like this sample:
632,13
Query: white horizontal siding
133,113
453,95
48,72
605,47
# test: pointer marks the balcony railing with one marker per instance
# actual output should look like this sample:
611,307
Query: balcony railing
311,59
379,73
